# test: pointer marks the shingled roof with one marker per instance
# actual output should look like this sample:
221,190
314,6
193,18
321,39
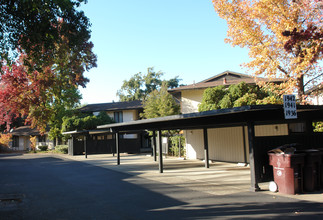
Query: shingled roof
226,78
112,106
25,131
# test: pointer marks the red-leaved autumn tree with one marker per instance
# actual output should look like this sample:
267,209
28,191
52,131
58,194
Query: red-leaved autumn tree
41,92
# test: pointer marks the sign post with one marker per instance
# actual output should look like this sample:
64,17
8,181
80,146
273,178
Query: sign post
290,107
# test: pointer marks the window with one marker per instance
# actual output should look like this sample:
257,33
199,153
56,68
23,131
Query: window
297,127
96,113
118,117
101,137
42,138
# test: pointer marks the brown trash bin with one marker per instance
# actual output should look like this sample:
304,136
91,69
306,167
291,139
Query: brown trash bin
288,172
312,169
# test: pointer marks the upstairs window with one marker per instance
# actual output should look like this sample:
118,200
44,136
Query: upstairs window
118,117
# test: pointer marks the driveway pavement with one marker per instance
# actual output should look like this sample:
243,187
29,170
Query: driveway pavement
220,179
65,187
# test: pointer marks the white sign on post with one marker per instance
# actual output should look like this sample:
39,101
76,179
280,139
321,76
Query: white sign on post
290,107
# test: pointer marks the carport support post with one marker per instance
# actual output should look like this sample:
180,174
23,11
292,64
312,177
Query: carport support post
206,148
113,148
251,136
154,146
118,148
160,152
71,146
244,145
85,149
179,146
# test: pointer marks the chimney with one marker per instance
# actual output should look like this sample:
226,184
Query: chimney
224,81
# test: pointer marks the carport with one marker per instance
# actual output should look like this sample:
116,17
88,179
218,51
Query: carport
249,116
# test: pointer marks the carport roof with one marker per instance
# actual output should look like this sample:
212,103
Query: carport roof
259,114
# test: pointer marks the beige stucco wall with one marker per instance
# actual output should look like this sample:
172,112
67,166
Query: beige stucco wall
191,99
128,115
194,144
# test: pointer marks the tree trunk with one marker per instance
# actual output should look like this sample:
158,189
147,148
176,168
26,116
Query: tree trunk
300,88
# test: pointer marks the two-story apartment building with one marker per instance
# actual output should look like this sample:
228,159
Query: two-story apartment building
118,111
103,142
225,143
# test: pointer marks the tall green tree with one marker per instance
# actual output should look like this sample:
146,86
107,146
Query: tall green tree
160,103
65,101
235,96
140,85
34,27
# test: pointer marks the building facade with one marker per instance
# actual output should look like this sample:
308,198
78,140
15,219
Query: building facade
104,142
226,143
21,138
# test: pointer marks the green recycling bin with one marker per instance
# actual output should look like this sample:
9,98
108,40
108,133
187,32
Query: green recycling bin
288,172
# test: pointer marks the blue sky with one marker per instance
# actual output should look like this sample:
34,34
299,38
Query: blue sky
182,38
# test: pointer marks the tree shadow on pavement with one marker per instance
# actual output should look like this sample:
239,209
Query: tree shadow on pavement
53,188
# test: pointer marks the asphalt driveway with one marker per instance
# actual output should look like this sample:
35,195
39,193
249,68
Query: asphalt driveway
51,187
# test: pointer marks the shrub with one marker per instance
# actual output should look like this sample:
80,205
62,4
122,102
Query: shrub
5,139
43,148
174,146
62,149
33,140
